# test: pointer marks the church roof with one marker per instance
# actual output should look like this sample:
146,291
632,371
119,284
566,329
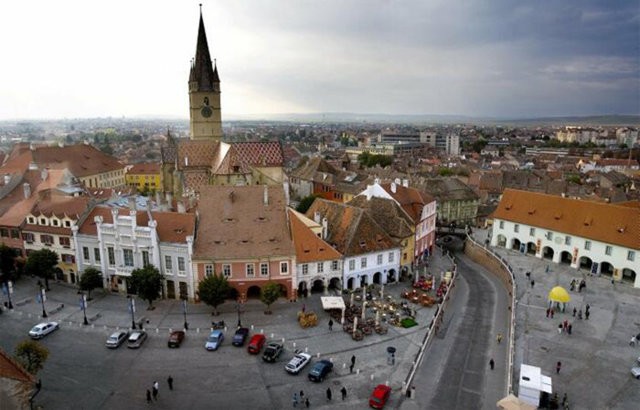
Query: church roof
202,71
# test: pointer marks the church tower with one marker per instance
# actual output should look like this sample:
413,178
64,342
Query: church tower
204,92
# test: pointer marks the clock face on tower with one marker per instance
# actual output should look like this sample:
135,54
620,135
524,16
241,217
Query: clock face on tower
206,111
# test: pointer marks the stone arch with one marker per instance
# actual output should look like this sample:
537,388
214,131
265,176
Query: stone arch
531,248
565,257
364,280
377,278
606,269
547,253
334,283
317,286
628,275
284,292
350,283
253,292
585,262
391,276
515,244
501,241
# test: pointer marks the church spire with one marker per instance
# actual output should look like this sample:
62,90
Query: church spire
203,76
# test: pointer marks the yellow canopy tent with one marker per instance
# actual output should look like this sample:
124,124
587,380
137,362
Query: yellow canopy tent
559,294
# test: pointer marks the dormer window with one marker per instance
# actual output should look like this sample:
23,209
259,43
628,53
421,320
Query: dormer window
31,220
67,224
55,222
43,221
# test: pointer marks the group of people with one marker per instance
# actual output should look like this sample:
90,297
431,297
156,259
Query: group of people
155,387
581,285
300,397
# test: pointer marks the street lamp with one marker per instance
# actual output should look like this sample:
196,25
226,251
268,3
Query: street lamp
83,305
132,309
238,305
8,289
184,310
43,298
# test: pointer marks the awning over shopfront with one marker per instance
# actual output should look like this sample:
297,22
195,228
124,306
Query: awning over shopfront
332,302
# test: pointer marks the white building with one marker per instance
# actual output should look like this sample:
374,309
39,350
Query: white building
601,238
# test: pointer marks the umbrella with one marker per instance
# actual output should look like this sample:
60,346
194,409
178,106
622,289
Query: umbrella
512,402
559,294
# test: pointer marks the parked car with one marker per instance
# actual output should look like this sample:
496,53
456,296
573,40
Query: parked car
136,339
42,329
272,352
298,362
240,336
635,371
256,343
116,339
379,396
175,338
320,370
215,340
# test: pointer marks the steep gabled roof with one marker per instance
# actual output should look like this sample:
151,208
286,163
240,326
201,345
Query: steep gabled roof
388,214
351,230
260,153
197,153
410,199
311,167
174,227
613,224
309,247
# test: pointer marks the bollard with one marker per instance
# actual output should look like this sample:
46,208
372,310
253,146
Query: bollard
197,330
294,344
283,340
318,355
371,377
344,366
251,327
358,371
157,330
93,326
386,382
170,330
225,329
331,359
261,330
306,350
271,336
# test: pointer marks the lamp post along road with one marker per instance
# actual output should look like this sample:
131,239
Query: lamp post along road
43,298
238,304
132,309
184,310
7,289
83,305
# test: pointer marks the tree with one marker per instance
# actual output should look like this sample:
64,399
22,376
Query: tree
147,283
7,263
269,294
31,355
213,290
91,278
42,263
305,203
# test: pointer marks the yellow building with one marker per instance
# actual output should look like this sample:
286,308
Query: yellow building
146,176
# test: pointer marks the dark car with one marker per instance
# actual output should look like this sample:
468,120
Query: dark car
240,336
272,352
175,338
379,396
256,343
320,370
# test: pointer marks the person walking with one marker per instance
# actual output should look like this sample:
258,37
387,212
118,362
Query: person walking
170,382
586,314
330,325
343,391
574,312
558,366
560,328
569,327
148,396
533,282
304,307
329,394
301,396
492,363
499,338
295,399
306,402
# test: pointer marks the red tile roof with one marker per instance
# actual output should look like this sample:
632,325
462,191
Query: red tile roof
260,154
144,168
174,227
412,200
309,247
11,369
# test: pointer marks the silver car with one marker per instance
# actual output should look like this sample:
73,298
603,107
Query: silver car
42,329
136,339
116,339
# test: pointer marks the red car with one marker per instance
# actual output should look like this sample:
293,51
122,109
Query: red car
175,338
256,343
379,396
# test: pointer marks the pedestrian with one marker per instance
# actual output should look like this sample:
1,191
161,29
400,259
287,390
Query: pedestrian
533,282
558,366
353,360
351,368
306,402
564,399
569,327
564,325
548,312
329,394
304,307
295,399
301,395
552,311
148,396
560,328
528,275
586,308
546,270
491,363
330,324
574,312
343,391
499,338
170,382
580,314
586,314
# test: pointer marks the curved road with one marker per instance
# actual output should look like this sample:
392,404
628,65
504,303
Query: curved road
455,372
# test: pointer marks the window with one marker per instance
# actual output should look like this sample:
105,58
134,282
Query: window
85,254
532,231
631,255
549,235
31,220
587,245
145,258
352,264
608,250
181,268
226,270
67,258
334,265
305,269
4,232
250,270
208,270
15,234
65,241
112,256
284,268
516,228
128,257
28,237
67,224
55,222
501,224
363,263
320,267
390,257
168,264
264,269
43,221
96,254
46,239
380,259
567,240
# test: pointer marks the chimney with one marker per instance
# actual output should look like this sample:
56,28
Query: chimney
316,217
26,188
7,178
325,228
405,183
44,174
266,195
33,166
397,181
181,207
132,203
393,187
376,181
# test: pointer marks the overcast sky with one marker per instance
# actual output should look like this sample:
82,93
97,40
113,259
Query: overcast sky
499,58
